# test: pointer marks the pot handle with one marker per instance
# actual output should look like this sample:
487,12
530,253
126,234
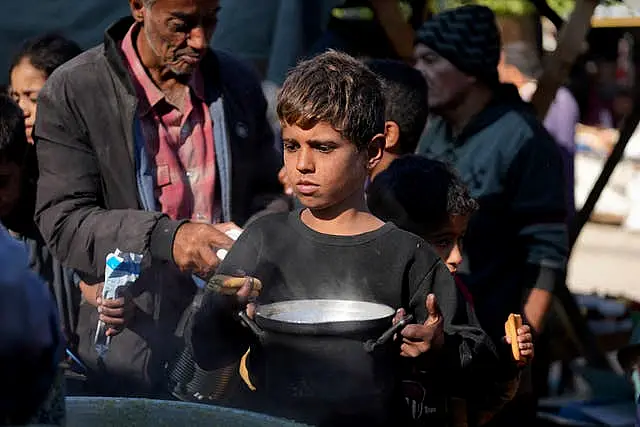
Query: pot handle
371,345
251,324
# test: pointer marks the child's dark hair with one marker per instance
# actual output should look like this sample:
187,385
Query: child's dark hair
419,195
405,92
46,52
337,89
13,139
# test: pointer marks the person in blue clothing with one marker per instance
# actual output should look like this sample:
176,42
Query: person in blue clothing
30,341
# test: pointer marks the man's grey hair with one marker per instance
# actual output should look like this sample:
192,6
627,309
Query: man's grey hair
148,3
524,57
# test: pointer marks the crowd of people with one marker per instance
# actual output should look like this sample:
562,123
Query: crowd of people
431,188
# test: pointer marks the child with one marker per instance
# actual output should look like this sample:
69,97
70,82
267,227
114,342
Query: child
406,111
427,198
332,113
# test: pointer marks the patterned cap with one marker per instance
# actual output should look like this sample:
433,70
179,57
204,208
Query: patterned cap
468,37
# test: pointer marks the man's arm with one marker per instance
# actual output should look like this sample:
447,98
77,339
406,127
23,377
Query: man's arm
396,27
70,210
538,209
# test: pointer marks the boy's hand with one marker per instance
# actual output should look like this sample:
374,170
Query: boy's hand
525,343
115,313
419,339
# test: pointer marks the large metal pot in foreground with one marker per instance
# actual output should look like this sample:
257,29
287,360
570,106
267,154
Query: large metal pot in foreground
321,357
116,412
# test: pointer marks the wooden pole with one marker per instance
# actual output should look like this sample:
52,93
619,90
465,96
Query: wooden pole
570,42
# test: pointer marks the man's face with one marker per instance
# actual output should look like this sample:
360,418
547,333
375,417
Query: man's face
447,242
447,85
325,170
178,32
10,179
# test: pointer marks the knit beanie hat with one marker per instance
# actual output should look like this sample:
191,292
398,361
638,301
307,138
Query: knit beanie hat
468,37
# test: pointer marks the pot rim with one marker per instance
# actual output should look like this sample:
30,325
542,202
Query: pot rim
373,312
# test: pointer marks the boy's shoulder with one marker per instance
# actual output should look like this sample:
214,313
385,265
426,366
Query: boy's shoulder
267,222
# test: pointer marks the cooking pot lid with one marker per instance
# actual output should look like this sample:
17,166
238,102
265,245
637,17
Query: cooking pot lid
313,311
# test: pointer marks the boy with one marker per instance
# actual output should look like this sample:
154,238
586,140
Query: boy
406,111
332,113
427,198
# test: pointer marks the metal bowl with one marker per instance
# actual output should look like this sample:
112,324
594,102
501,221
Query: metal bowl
324,311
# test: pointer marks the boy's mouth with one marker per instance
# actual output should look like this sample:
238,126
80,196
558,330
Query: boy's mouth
306,188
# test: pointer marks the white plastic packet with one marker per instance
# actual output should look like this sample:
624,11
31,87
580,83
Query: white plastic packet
122,269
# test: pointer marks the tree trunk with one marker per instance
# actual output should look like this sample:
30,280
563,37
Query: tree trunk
557,69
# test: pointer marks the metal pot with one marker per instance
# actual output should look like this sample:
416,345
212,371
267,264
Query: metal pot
327,362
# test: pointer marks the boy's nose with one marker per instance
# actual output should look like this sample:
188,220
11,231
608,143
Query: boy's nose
305,162
455,256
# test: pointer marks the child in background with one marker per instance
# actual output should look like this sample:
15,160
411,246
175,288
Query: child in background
406,109
332,113
427,198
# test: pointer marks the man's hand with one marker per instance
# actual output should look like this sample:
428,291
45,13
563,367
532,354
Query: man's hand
419,339
115,313
525,343
195,246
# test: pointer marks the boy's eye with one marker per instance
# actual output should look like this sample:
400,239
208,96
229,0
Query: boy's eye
324,148
442,243
290,146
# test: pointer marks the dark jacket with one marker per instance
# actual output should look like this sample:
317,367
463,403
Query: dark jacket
96,194
93,183
518,239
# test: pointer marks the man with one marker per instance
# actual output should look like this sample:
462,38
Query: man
520,66
516,244
143,143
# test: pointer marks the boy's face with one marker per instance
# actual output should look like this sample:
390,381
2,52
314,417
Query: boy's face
10,178
325,170
448,241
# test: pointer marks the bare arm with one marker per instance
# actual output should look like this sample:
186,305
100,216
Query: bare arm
536,308
398,30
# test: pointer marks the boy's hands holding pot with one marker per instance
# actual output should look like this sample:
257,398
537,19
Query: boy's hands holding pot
418,339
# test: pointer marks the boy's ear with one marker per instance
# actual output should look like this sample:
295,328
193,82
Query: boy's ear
375,150
392,136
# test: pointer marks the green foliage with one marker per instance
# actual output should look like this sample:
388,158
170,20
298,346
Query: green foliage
519,7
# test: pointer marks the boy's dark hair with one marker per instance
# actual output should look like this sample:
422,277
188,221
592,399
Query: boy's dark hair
13,139
46,52
337,89
419,195
405,92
